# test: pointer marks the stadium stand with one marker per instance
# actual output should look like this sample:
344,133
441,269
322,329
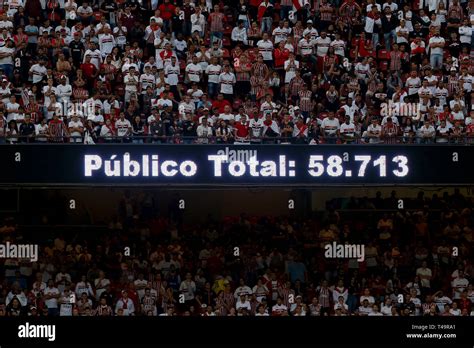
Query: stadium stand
179,267
284,71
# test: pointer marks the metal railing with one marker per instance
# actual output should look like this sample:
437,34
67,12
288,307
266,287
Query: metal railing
177,139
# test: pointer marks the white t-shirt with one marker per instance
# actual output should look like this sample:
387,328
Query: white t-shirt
226,117
45,90
468,80
313,33
365,310
362,70
413,84
291,72
386,310
38,72
147,80
459,284
52,302
375,131
425,92
338,46
423,131
9,59
330,126
347,129
279,308
457,116
245,304
122,126
404,30
213,72
13,107
227,81
265,48
194,72
106,43
95,57
41,130
442,131
441,94
306,47
256,127
280,34
242,290
437,40
465,34
424,272
129,79
431,79
63,92
75,124
322,46
120,39
172,74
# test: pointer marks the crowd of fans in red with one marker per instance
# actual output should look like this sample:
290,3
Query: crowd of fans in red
418,262
286,71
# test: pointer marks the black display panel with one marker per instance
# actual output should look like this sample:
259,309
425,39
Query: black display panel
234,165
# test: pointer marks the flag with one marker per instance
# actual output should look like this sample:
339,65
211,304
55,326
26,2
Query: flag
25,97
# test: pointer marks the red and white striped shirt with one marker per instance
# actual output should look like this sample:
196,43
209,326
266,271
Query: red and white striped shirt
216,21
306,104
326,11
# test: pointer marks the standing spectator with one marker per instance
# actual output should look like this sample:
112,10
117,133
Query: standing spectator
76,129
227,81
7,53
265,16
51,296
166,12
389,24
459,285
436,45
216,23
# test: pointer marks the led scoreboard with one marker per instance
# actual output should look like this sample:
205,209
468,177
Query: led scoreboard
221,165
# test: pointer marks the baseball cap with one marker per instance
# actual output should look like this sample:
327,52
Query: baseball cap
309,21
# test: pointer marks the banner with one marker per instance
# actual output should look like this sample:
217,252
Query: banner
235,165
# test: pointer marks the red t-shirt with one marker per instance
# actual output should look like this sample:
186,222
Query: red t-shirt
363,52
220,105
281,56
242,129
167,11
88,69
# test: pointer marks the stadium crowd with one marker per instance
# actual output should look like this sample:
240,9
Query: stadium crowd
286,71
418,262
